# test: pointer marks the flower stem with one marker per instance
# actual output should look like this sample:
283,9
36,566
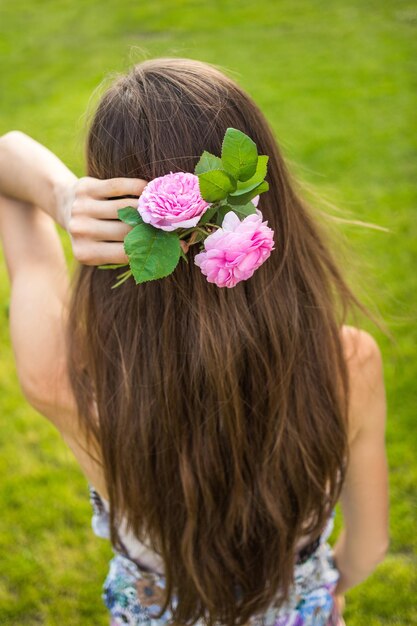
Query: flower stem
123,277
127,273
187,232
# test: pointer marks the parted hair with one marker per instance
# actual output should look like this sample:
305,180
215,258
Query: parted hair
222,413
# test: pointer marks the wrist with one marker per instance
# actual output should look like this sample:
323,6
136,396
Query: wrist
61,198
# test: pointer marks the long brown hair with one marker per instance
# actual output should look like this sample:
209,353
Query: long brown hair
222,412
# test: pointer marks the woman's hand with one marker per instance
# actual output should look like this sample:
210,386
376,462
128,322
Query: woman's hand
88,209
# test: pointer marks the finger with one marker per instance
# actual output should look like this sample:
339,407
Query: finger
112,187
98,230
101,253
107,209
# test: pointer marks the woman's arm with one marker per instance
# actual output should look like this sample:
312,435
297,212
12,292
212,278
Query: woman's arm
36,189
84,207
39,283
364,540
31,173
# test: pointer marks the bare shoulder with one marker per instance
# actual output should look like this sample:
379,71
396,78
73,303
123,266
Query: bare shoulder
360,347
366,379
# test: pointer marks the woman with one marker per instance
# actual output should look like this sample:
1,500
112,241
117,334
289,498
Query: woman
217,427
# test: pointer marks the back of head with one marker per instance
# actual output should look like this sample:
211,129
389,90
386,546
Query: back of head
221,411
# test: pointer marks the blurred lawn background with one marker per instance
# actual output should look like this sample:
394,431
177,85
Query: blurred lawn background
337,82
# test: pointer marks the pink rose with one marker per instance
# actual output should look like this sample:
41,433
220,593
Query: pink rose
172,201
234,251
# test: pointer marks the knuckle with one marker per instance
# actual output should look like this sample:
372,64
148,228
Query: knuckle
77,206
77,251
75,226
81,254
84,184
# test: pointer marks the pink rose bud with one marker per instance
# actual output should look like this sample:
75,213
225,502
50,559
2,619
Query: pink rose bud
172,201
234,251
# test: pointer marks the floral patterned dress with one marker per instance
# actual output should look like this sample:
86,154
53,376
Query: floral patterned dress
133,592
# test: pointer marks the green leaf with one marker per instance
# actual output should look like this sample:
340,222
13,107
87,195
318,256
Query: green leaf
225,208
244,198
153,253
215,185
241,211
208,214
207,163
130,216
239,154
257,178
244,210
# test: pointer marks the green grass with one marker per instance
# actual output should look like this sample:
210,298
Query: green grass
337,82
